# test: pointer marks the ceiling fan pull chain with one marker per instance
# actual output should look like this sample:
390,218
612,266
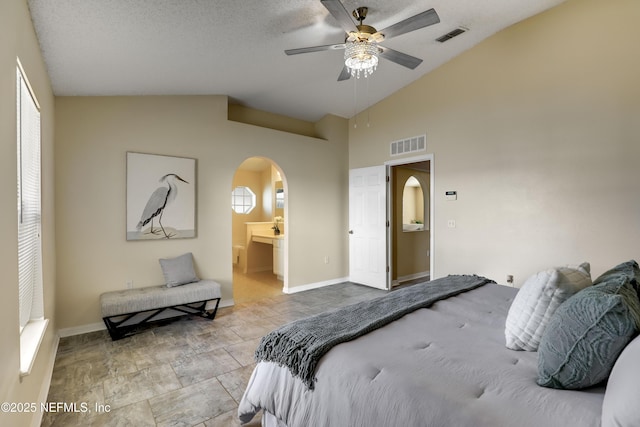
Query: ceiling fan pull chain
355,103
368,104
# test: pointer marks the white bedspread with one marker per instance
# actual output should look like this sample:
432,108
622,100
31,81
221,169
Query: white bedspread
442,366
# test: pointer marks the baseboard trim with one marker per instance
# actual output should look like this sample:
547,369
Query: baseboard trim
316,285
259,269
36,421
95,327
227,302
79,330
402,279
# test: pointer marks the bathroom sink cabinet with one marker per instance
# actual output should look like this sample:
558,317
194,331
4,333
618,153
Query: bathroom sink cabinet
259,235
278,258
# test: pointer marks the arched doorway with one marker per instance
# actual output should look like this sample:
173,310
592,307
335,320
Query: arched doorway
258,202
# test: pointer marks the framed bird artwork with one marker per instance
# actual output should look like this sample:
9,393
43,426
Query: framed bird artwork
161,197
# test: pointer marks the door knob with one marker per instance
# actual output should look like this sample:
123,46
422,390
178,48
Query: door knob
350,231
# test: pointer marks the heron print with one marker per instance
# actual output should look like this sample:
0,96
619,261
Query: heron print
160,197
158,202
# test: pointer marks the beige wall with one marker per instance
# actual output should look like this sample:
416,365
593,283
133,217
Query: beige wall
93,135
17,39
239,113
537,130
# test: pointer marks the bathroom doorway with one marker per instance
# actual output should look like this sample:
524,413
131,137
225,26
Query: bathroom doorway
258,202
411,231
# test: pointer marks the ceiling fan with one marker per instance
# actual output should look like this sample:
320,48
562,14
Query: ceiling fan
361,43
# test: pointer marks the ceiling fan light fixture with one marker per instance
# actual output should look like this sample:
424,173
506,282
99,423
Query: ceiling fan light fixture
361,57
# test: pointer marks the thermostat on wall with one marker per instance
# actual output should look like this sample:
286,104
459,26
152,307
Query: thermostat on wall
451,195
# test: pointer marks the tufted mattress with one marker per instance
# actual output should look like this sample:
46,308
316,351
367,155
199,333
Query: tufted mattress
446,365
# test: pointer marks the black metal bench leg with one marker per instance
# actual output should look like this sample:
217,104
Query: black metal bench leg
212,314
118,332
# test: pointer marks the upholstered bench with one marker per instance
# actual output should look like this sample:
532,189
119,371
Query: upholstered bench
124,311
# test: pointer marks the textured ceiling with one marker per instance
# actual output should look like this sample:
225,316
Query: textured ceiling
236,48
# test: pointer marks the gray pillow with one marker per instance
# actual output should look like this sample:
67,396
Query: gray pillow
587,333
620,404
627,269
179,270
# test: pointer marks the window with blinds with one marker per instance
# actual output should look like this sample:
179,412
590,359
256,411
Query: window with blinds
31,306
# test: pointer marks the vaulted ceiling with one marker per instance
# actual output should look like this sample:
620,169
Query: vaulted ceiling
236,48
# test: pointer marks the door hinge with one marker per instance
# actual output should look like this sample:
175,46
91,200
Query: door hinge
387,268
388,178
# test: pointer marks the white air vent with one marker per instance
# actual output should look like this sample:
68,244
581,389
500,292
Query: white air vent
409,145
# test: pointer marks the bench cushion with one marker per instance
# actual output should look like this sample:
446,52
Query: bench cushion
142,299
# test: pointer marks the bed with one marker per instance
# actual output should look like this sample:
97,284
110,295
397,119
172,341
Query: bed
442,365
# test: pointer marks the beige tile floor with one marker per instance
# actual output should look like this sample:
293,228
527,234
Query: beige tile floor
255,286
191,372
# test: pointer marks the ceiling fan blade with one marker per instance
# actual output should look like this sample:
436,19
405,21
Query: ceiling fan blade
416,22
399,57
315,49
337,10
344,74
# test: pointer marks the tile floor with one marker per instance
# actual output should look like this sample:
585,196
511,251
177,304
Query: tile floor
255,286
191,372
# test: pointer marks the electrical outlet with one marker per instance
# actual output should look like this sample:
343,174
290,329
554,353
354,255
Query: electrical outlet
510,278
129,284
451,223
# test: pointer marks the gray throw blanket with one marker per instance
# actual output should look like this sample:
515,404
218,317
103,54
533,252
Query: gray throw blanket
300,345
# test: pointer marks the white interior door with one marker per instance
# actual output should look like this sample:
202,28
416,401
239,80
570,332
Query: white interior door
368,226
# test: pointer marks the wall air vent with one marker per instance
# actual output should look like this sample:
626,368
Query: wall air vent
409,145
451,34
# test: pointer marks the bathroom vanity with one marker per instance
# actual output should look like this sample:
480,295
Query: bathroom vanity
263,244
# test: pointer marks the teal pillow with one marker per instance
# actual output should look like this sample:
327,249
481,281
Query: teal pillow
627,269
587,333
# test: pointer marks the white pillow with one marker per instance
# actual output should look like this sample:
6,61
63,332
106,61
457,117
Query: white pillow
538,299
619,407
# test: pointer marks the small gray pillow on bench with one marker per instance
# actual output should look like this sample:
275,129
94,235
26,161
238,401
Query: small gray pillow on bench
179,270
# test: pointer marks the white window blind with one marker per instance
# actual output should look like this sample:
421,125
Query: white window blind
31,305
